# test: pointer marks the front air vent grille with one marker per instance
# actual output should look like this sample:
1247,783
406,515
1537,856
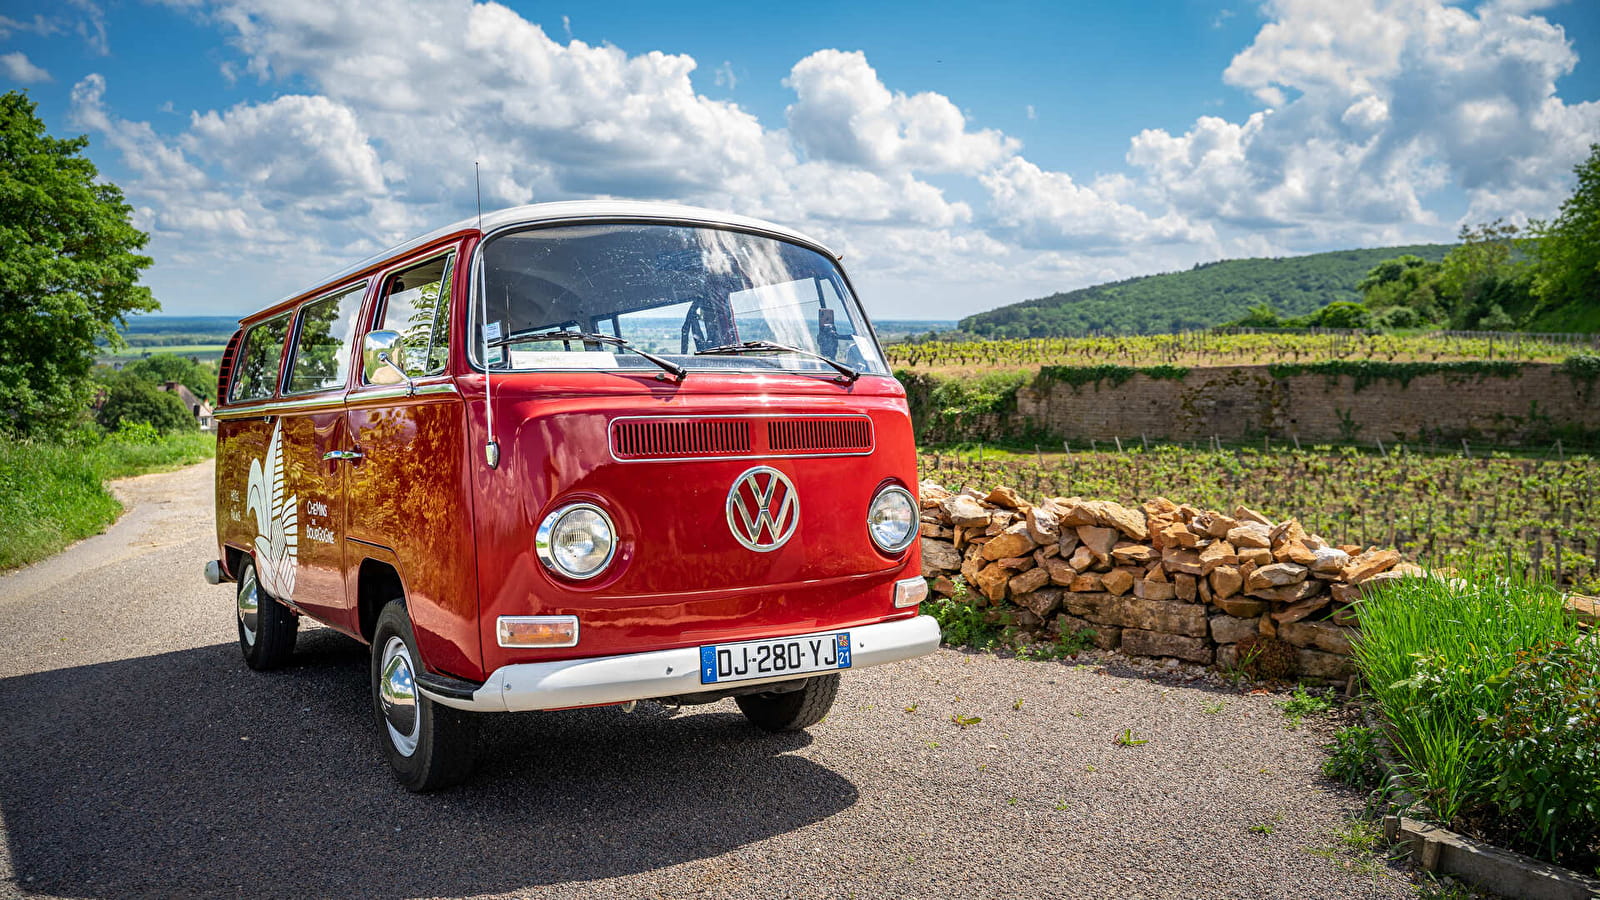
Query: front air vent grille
745,437
660,438
820,435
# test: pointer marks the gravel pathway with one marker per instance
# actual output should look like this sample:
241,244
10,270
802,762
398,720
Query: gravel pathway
139,757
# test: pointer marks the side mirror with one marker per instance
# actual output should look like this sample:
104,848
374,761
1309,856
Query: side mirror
377,360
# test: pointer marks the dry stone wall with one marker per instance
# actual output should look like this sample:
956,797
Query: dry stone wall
1237,403
1164,580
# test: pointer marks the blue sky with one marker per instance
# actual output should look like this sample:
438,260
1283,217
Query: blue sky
963,156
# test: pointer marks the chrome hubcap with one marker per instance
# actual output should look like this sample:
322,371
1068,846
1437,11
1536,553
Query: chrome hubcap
249,602
397,695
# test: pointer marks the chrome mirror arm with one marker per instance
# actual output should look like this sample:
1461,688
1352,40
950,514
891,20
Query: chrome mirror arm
411,385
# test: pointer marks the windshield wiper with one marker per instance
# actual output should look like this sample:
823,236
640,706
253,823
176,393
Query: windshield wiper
535,336
849,375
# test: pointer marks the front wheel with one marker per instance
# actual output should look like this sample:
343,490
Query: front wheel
793,710
267,628
429,746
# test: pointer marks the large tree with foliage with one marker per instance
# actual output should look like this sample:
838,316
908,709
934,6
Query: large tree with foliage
1566,254
164,367
69,271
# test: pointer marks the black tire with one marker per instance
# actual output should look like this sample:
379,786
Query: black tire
792,711
439,747
267,628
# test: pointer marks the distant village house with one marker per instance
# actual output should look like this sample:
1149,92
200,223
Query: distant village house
200,408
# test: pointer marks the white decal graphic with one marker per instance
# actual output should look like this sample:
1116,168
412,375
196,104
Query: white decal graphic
315,531
277,521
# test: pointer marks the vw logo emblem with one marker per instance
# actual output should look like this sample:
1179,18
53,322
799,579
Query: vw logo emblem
763,509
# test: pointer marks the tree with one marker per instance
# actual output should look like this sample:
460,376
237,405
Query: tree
133,399
69,271
164,367
1566,252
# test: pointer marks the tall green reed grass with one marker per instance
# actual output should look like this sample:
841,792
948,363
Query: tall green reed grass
1431,651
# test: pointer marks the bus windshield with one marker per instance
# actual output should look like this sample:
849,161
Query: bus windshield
670,290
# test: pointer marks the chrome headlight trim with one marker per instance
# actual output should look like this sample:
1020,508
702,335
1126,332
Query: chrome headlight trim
542,540
912,531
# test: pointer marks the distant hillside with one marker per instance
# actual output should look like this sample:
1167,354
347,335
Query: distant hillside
1209,294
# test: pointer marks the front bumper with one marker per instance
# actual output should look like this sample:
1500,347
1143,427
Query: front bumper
662,673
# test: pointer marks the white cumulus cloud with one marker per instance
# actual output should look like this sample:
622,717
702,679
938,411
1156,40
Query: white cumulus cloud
379,111
17,67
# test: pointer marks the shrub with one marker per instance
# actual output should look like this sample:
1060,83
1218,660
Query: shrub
1546,749
131,399
962,623
1265,658
1353,758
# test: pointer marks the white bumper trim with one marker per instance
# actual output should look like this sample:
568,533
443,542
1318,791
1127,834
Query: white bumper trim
666,673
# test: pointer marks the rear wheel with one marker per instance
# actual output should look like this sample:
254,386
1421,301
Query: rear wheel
794,710
429,746
267,628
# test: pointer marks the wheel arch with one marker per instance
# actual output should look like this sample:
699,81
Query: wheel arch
233,560
377,583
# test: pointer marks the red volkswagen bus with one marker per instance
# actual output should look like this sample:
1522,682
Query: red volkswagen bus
573,454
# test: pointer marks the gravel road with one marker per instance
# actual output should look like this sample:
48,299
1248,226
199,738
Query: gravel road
139,757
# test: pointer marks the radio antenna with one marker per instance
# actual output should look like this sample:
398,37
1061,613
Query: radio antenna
491,447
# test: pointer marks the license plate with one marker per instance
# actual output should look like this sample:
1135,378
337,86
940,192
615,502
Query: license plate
774,656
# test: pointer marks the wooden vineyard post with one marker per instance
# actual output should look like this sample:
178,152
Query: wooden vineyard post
1558,556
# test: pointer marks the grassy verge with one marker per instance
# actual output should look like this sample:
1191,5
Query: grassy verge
1491,696
52,494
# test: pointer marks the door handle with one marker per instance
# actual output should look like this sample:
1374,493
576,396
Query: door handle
336,455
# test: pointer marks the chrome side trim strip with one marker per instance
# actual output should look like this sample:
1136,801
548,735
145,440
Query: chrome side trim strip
362,395
317,404
280,406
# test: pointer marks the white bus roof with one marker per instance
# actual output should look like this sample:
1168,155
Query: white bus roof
540,213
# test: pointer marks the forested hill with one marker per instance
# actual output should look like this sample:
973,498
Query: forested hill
1209,294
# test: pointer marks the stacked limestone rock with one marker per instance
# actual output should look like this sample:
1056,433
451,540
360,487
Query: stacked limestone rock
1165,580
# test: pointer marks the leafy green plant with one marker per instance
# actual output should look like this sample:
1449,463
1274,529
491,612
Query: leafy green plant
1353,758
1356,846
962,623
1303,703
965,721
1545,739
1067,645
1126,739
1212,709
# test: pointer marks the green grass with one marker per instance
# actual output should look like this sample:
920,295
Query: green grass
52,494
1431,653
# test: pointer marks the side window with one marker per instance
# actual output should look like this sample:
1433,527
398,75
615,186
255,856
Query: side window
416,303
321,358
256,373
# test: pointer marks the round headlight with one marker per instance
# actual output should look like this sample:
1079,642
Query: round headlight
576,541
892,519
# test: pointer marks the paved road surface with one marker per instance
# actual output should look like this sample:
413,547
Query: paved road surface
139,757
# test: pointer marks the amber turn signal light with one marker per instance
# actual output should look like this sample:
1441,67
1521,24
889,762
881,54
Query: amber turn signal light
910,592
537,631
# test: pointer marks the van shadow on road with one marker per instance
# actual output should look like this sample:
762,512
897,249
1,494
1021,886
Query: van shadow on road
187,774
